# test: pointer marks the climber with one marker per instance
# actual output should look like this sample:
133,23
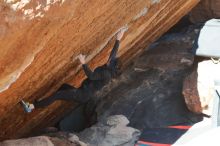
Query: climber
94,82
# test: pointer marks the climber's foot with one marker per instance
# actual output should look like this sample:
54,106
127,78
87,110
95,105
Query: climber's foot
27,106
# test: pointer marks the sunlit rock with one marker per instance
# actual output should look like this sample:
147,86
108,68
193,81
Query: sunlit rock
40,41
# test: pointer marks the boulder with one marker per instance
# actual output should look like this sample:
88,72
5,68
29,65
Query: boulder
37,141
190,92
114,131
199,87
205,10
149,91
40,42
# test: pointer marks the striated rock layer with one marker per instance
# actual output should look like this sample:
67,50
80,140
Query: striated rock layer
40,40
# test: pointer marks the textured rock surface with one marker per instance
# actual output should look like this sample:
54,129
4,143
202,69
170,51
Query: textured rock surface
149,92
39,40
113,131
38,141
199,87
205,10
191,94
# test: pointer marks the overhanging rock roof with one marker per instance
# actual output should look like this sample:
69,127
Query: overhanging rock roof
41,39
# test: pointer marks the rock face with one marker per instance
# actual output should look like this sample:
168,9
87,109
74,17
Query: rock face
149,92
38,141
205,10
199,87
191,94
41,39
109,132
113,131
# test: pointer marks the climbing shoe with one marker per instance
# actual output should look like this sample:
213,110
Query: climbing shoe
27,106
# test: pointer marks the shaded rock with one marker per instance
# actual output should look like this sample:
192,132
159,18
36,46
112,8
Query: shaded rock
149,92
34,141
187,61
73,138
205,10
111,133
198,88
208,73
37,141
68,137
51,129
64,142
117,120
76,117
191,94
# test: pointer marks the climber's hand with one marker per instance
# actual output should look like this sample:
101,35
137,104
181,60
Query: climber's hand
120,34
82,58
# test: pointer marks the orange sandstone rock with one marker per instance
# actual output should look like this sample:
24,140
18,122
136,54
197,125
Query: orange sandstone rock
39,42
